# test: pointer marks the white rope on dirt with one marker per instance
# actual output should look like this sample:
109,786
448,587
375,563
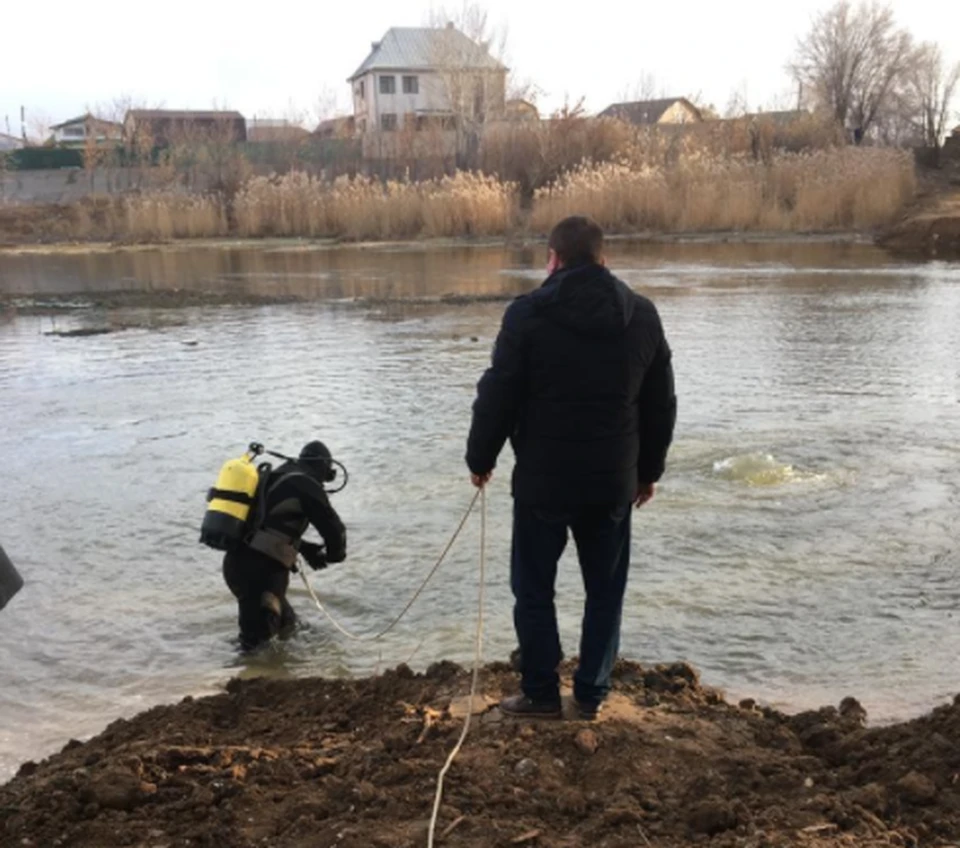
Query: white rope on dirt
477,661
478,637
375,636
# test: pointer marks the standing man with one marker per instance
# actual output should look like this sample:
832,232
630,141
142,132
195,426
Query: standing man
581,384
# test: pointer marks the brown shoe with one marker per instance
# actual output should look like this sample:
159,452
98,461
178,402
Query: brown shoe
520,706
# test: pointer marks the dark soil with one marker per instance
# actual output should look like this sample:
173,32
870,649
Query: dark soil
354,764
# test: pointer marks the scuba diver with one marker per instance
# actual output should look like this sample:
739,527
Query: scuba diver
258,514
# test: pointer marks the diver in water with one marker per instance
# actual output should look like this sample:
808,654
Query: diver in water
289,499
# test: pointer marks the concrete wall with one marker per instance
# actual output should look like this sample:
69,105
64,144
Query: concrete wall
68,186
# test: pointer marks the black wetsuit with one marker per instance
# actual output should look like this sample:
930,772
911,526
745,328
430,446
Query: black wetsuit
293,500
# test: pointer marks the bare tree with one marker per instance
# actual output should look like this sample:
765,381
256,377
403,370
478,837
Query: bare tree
326,105
523,88
205,151
473,20
851,60
645,87
38,129
127,152
739,103
469,56
928,90
708,112
95,153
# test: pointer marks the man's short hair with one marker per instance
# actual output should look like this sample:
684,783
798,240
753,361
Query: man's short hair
577,240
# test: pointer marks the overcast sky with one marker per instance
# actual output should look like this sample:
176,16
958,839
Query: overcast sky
271,59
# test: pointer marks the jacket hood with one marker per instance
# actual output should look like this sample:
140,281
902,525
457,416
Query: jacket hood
587,299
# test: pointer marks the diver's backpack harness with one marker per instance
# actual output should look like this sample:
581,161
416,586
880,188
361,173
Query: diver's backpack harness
237,506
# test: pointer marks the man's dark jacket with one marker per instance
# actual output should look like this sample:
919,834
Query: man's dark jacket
581,383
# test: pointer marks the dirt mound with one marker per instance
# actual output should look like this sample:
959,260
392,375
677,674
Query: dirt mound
930,235
931,227
354,764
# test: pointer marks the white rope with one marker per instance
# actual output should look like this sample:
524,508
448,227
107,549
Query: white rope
478,637
374,637
477,660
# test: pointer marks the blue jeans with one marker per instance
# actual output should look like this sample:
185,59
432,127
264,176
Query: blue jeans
602,536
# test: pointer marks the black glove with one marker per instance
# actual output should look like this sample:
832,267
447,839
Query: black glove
313,555
338,555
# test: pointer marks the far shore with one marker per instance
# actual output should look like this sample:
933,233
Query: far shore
427,244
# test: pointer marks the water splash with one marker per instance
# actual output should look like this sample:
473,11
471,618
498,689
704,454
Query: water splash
758,469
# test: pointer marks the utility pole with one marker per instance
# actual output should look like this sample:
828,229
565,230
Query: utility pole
23,126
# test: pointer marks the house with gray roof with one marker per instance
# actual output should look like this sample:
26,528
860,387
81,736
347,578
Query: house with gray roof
415,78
166,127
666,110
86,129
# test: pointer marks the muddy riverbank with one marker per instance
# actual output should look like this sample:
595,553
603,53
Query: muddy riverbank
930,229
49,229
354,763
930,226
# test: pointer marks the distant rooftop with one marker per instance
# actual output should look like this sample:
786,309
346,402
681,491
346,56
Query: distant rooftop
422,48
184,115
82,119
644,111
272,122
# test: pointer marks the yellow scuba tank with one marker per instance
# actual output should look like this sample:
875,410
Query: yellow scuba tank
230,501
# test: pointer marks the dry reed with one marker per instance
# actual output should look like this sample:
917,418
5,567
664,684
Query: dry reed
841,188
358,208
657,182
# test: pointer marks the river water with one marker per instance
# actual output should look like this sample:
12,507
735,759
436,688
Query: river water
802,545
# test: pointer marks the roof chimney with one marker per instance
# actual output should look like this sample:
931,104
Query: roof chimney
449,24
374,45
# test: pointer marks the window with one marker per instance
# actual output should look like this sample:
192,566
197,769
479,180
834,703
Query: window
74,132
411,85
388,120
388,85
363,89
479,102
436,122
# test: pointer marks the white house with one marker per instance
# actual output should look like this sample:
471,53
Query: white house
418,77
10,142
78,131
